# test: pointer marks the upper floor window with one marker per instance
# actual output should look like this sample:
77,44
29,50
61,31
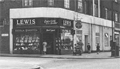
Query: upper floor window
1,0
85,9
116,17
96,10
51,2
27,2
109,12
67,3
116,0
106,13
80,6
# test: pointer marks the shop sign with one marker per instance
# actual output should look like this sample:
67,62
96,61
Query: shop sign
5,34
50,30
78,24
20,22
78,31
50,22
106,35
25,30
42,22
66,31
67,23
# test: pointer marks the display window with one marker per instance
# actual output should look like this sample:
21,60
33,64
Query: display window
97,38
106,38
116,36
66,39
26,42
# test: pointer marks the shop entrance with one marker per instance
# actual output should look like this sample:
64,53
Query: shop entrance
86,43
49,38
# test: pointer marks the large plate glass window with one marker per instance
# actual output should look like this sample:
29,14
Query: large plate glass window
26,41
66,39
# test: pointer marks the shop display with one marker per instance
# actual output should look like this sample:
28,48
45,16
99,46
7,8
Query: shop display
66,39
58,45
27,43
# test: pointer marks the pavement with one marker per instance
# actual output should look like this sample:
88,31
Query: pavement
101,55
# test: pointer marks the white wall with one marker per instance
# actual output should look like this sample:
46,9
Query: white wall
56,13
41,12
11,36
109,31
86,31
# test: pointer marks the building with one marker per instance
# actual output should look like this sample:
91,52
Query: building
25,24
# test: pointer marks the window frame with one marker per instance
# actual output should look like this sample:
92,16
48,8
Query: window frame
27,3
116,16
115,0
1,0
51,2
96,10
106,13
80,6
67,3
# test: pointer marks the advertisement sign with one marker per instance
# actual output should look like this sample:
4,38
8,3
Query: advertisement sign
78,24
42,22
36,22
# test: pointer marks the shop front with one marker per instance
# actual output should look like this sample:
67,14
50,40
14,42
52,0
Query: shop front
30,33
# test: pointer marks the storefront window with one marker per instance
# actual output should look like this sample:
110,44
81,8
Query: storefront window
78,36
26,43
97,38
117,39
66,39
106,39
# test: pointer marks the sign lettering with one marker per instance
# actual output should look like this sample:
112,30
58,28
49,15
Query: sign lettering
50,22
66,23
43,22
66,31
50,30
26,22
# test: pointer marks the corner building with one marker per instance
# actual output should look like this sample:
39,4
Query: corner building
31,22
31,30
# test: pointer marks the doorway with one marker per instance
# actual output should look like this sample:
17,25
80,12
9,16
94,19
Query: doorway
86,42
49,38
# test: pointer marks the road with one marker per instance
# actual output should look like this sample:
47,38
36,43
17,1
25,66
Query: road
54,63
84,64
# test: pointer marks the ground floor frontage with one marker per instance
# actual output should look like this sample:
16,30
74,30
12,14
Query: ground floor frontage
26,33
94,34
29,35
